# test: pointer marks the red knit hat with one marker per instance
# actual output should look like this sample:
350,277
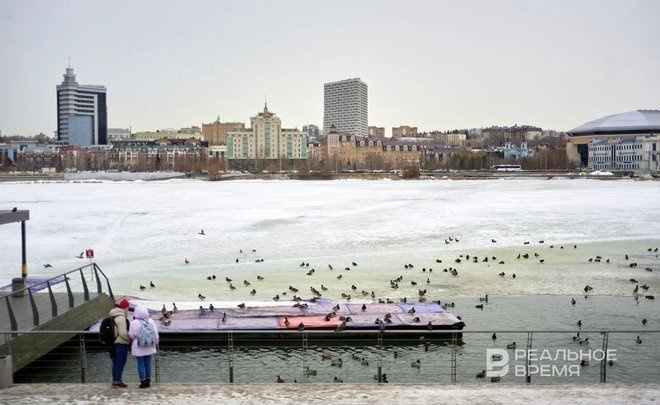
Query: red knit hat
123,304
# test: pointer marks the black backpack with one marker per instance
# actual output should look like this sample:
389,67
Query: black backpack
107,330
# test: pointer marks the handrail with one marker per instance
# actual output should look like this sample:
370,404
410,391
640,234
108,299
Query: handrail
445,366
47,284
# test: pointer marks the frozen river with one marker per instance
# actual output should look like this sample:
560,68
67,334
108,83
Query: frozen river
143,232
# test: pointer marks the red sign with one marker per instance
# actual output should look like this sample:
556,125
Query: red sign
89,253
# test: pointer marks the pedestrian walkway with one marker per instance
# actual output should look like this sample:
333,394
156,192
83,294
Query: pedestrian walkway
161,394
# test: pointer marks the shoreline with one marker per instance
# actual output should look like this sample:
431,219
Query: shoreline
161,176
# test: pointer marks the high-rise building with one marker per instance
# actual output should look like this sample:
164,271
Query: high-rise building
266,140
82,114
311,130
346,107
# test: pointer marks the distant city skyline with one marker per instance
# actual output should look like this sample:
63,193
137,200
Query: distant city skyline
435,65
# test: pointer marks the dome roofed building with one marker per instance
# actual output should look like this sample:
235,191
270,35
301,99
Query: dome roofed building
627,141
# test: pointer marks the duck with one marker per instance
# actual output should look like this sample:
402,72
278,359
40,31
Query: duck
511,345
411,310
338,362
481,374
494,336
638,340
484,299
480,306
644,321
142,287
279,380
338,380
309,371
364,362
416,364
211,307
151,284
260,278
495,379
241,305
301,326
186,261
572,301
201,297
584,362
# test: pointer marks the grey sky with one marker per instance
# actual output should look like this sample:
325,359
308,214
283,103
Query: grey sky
433,64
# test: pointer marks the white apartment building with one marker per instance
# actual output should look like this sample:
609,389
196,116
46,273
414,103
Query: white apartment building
345,105
266,140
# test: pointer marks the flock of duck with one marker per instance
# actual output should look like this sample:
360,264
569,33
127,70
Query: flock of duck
351,290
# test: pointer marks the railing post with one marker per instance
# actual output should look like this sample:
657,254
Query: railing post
156,361
230,346
528,361
35,311
454,356
68,290
83,359
53,303
380,357
603,363
305,378
99,289
84,284
12,318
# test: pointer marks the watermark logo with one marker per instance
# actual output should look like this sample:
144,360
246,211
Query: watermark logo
544,363
497,362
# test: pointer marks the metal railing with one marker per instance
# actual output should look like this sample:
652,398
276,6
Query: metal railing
389,356
69,283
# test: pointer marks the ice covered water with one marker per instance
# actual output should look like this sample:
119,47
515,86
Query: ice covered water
143,232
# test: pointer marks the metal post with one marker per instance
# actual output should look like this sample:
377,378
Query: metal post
454,351
157,365
53,303
380,357
12,318
68,290
304,357
24,267
230,346
528,362
84,284
99,289
35,311
83,359
603,363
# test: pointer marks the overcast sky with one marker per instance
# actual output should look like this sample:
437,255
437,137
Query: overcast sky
431,64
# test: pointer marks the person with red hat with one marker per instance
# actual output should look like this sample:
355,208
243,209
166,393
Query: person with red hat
119,352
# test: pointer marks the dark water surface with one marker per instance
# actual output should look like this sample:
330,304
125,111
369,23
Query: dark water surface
262,362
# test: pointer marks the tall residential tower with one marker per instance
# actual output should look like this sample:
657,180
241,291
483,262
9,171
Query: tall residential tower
82,115
346,107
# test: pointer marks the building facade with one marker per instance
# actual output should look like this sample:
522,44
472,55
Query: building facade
266,140
377,132
215,133
403,131
82,115
621,142
345,105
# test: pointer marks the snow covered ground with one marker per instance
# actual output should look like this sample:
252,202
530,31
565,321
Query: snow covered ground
31,394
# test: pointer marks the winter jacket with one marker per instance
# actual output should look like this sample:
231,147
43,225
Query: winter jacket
121,334
141,314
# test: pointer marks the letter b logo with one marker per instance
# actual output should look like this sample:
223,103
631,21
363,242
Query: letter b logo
497,362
